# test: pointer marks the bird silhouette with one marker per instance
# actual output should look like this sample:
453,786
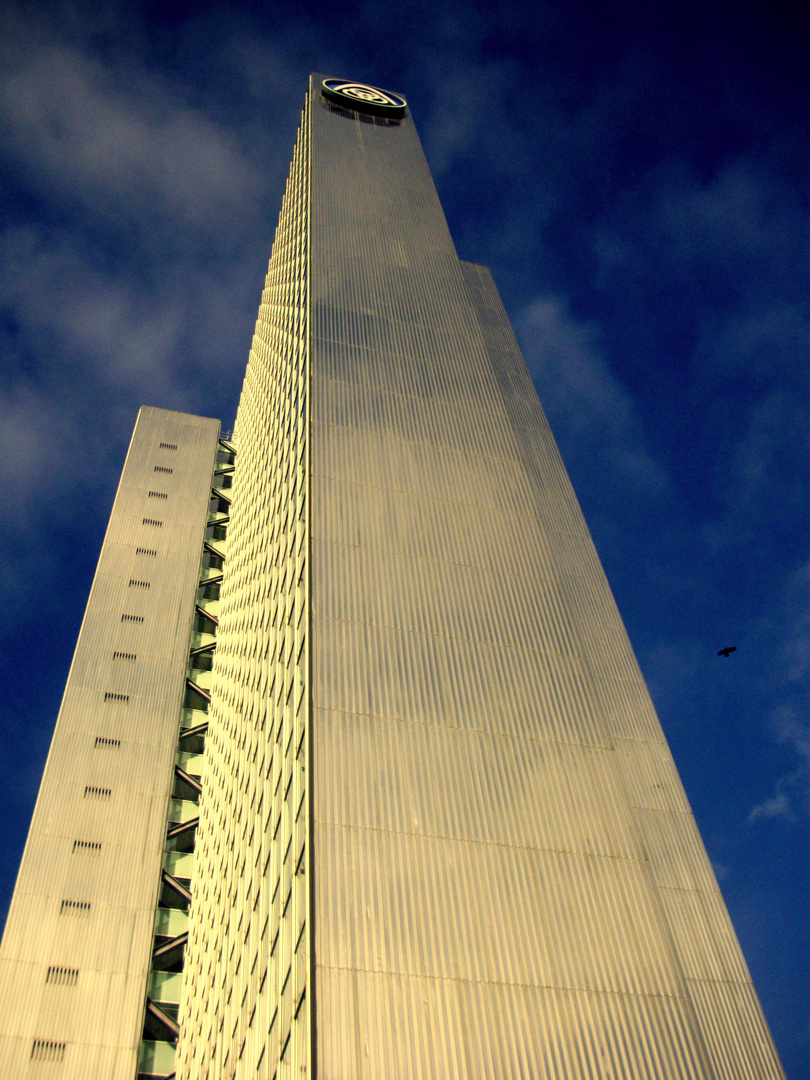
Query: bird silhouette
729,649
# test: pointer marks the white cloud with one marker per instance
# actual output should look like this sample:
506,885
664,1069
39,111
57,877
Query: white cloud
32,436
764,471
730,217
122,142
790,718
105,328
591,411
778,806
134,277
760,341
470,110
145,229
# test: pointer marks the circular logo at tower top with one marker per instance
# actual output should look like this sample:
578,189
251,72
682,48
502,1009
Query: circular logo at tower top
370,99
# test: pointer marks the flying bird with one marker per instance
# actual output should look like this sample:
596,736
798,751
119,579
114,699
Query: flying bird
729,649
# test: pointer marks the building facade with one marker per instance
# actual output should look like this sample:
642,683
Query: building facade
434,824
78,979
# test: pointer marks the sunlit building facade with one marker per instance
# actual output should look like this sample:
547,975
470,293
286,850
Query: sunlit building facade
388,797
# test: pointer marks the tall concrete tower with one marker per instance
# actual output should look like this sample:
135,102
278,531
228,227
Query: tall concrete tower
436,828
99,877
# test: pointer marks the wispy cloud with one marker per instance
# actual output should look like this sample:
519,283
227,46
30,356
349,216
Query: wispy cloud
128,147
791,794
590,409
137,226
790,718
110,329
778,806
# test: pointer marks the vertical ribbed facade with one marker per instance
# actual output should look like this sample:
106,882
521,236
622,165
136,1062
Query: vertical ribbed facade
245,1009
440,834
507,880
728,1019
77,946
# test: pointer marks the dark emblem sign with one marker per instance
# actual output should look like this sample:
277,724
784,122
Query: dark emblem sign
370,99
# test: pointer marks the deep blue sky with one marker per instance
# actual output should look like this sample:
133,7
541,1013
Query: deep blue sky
637,176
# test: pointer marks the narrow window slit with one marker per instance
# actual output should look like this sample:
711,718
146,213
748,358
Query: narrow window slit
104,793
107,744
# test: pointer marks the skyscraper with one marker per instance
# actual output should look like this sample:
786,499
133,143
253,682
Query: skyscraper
356,768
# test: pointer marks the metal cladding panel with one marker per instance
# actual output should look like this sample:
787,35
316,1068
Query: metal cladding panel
506,877
727,1017
424,1028
78,940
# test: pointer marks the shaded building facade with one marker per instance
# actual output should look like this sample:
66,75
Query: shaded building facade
436,829
102,887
